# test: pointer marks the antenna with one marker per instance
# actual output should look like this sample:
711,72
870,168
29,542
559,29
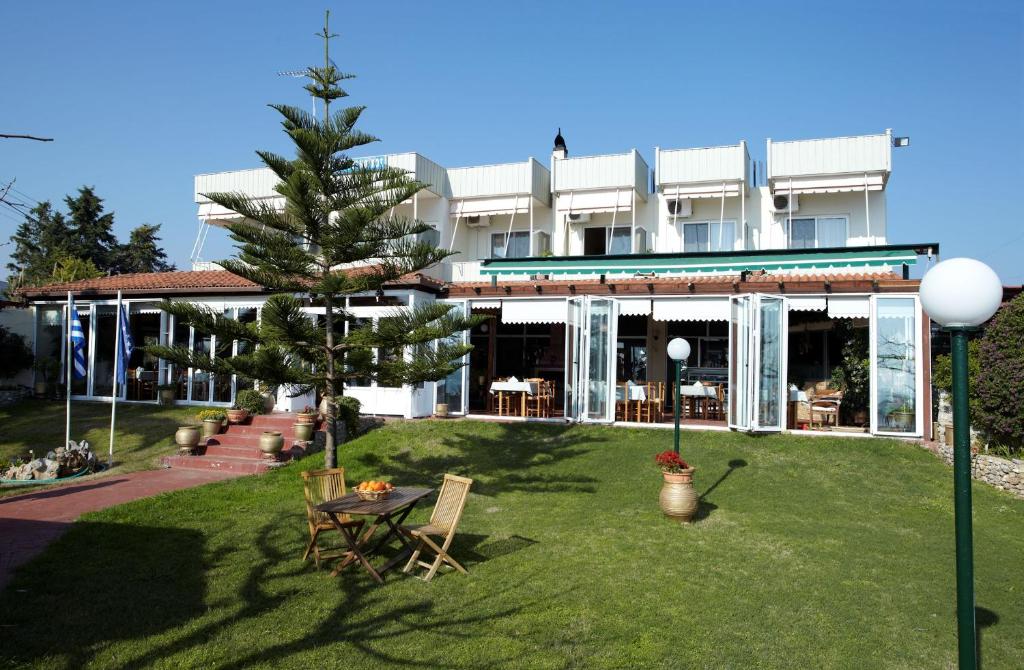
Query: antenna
328,63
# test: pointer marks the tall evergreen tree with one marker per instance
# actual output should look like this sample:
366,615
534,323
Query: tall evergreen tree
142,252
337,235
39,242
92,229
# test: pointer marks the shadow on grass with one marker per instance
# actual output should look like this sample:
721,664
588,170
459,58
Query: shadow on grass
520,457
983,618
705,507
122,581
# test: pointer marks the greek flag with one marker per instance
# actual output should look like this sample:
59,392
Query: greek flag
77,342
124,340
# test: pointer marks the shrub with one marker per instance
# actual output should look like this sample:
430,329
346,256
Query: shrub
211,415
348,412
942,374
250,400
15,354
1000,380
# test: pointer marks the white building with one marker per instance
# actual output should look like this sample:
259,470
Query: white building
588,265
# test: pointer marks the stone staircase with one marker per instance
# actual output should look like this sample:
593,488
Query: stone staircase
237,449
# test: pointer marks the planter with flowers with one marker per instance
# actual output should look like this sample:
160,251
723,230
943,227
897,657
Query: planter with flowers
678,499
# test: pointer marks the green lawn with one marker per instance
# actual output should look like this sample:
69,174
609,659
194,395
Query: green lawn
144,432
810,553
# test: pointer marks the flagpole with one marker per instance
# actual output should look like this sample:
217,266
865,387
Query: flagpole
67,364
117,374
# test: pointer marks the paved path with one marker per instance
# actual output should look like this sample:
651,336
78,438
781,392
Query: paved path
30,521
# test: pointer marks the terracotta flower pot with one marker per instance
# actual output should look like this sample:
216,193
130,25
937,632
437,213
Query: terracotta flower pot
187,438
305,417
271,442
303,431
237,415
678,499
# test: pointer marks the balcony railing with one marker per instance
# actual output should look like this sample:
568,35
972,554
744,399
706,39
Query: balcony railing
707,164
831,156
526,178
613,171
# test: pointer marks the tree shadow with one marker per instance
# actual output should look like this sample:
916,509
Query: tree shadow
704,506
150,580
521,457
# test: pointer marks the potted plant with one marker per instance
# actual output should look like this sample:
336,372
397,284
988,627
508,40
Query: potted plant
49,369
167,393
269,401
303,431
271,443
901,419
187,438
678,499
249,401
213,421
307,415
237,414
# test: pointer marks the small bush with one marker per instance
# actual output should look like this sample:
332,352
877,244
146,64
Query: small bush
15,354
942,374
249,400
1000,381
348,412
211,415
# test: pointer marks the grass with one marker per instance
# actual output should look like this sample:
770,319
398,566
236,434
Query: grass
143,434
809,552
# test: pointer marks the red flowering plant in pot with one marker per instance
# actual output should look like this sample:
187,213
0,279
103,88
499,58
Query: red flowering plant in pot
678,499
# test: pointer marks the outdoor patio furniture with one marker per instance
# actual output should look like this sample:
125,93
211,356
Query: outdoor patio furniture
390,512
319,486
825,406
511,390
443,522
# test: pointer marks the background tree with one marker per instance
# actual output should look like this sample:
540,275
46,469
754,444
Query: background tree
92,229
39,241
142,252
1000,377
337,235
71,268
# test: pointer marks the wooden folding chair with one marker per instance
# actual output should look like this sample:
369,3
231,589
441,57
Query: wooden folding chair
320,486
443,522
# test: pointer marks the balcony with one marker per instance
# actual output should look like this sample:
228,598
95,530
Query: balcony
600,183
703,172
831,165
499,189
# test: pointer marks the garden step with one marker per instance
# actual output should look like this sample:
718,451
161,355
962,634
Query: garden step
223,463
256,431
236,439
215,450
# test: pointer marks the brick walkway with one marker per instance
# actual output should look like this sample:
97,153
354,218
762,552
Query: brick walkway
30,521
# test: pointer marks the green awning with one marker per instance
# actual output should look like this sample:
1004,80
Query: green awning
866,257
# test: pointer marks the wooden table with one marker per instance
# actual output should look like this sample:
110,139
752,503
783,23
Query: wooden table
390,511
523,388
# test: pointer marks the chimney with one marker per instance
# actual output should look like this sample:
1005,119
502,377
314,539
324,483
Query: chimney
560,150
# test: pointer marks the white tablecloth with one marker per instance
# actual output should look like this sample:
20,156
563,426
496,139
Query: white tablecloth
636,392
698,391
529,388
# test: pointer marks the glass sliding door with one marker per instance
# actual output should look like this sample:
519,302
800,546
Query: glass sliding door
574,359
740,327
771,348
246,315
600,335
449,389
202,345
896,381
81,386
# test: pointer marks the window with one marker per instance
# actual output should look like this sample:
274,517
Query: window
631,349
596,241
817,232
518,245
701,236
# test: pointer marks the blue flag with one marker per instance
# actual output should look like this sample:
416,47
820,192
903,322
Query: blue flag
124,340
77,343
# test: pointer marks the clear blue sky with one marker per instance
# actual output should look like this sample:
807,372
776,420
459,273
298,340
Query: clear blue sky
142,96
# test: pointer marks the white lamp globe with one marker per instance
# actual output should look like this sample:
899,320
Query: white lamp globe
961,292
678,349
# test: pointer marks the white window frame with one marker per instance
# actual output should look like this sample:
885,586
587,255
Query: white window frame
817,236
706,222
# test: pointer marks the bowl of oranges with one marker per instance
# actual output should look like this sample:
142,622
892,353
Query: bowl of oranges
374,490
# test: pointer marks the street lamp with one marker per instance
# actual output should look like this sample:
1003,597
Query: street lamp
960,294
678,351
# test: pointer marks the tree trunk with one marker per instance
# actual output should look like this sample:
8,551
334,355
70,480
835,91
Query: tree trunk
331,420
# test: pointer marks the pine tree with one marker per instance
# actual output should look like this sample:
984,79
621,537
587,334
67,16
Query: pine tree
142,253
337,235
92,230
39,242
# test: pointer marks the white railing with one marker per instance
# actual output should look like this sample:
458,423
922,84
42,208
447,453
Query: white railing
487,180
707,164
602,172
834,155
459,271
205,266
255,183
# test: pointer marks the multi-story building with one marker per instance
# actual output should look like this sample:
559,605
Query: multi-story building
587,266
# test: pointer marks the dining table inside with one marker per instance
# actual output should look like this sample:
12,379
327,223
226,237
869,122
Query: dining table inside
388,513
512,395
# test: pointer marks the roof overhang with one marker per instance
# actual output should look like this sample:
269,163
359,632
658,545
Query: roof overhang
841,183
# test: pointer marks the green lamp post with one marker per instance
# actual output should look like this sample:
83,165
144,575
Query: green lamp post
678,351
960,294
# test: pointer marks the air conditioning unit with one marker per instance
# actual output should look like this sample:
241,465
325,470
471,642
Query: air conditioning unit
579,217
478,221
781,204
682,207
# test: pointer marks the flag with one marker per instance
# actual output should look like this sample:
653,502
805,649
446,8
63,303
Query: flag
77,342
124,340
